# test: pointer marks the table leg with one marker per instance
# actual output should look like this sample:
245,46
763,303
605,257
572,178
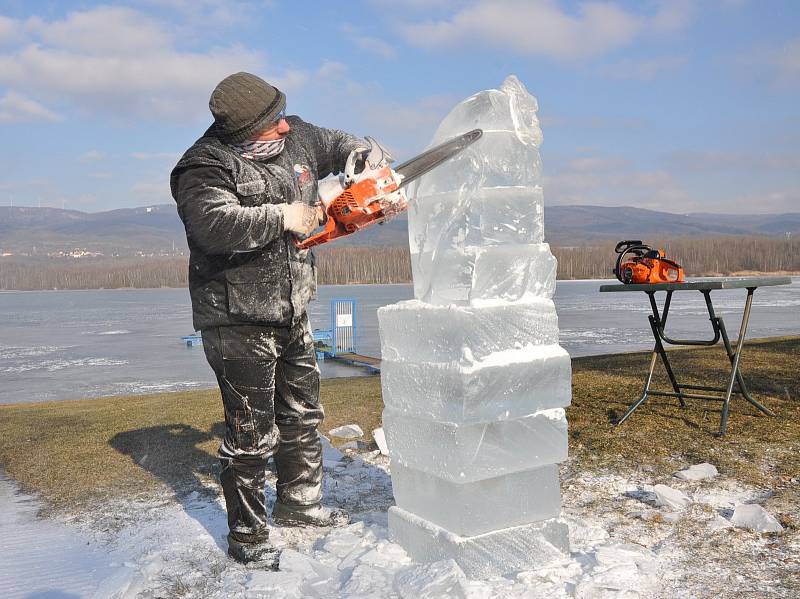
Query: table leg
643,396
739,376
657,324
735,374
658,350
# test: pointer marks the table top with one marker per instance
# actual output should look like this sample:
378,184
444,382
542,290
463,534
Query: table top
701,284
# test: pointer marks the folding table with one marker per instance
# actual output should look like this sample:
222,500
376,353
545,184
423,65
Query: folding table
659,320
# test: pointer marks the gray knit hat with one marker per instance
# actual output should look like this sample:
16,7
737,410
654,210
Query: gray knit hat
244,104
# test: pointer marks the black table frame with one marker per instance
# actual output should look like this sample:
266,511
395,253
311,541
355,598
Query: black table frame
658,320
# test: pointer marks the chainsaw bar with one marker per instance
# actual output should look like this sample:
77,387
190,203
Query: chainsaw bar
413,169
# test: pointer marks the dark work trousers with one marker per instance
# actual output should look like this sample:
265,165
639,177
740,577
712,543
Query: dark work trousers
269,381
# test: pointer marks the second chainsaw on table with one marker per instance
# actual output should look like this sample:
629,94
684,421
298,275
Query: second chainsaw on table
639,263
353,201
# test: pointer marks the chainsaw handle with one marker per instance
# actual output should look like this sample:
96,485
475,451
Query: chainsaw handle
350,166
623,248
628,243
328,232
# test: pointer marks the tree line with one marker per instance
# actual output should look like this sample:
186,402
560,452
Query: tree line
91,273
715,256
703,257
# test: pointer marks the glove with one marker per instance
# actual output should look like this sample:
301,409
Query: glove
300,218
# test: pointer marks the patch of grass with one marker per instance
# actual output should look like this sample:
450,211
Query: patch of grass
353,400
73,452
660,435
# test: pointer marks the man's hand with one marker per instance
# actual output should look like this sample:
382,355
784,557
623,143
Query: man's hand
300,218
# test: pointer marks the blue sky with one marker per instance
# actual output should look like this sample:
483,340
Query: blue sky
672,105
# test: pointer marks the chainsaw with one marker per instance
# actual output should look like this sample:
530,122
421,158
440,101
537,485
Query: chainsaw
639,263
353,201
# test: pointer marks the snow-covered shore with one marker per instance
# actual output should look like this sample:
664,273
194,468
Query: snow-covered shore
622,545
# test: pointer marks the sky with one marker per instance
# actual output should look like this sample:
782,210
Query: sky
673,105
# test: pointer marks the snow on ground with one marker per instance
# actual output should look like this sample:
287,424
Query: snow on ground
623,546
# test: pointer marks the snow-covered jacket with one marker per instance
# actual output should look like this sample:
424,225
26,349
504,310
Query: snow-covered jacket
243,267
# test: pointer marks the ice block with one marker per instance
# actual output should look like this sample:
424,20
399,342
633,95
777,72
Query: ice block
471,274
491,554
497,159
471,452
422,332
474,508
510,108
473,378
490,216
503,386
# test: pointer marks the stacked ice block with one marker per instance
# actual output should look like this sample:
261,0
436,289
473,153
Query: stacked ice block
473,378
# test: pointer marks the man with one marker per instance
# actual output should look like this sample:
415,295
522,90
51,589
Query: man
244,191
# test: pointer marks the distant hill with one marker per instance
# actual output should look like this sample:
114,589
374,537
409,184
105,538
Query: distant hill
577,225
154,229
125,232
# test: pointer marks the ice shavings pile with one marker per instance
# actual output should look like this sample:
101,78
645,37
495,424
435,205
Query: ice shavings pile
622,545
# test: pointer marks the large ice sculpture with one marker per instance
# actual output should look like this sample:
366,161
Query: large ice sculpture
473,378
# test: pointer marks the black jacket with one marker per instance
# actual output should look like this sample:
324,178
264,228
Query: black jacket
243,267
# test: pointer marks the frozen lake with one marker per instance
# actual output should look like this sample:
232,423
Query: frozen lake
76,344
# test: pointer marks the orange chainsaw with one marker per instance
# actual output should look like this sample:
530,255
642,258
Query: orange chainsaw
639,263
353,201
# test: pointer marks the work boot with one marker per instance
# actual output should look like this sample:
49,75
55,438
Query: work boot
287,514
260,554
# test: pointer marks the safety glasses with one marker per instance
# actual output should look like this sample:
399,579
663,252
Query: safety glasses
278,118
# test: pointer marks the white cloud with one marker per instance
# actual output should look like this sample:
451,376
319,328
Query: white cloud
23,185
157,191
549,121
576,182
777,200
416,5
690,160
733,4
86,199
582,165
120,61
8,30
778,64
543,27
641,69
787,62
173,156
768,201
291,80
343,100
613,181
15,108
92,156
215,14
374,46
673,15
105,29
